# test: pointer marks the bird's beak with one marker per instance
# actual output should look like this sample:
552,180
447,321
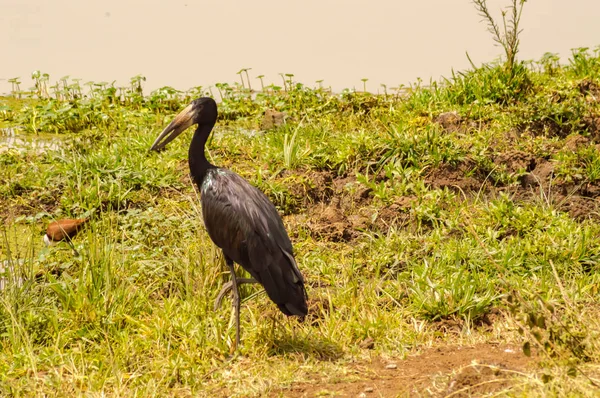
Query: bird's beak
182,121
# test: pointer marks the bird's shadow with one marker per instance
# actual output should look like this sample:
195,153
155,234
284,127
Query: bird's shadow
311,345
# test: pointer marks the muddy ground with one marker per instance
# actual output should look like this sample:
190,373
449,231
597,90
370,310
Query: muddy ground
339,208
457,371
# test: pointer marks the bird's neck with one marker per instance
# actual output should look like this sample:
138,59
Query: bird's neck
199,165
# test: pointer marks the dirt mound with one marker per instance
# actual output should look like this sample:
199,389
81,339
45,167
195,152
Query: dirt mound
310,187
515,161
539,176
589,87
329,222
272,119
450,121
349,211
591,123
576,141
456,177
580,207
547,127
338,209
536,176
458,370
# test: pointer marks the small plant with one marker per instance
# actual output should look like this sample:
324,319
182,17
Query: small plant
453,294
508,37
584,64
293,154
15,86
364,80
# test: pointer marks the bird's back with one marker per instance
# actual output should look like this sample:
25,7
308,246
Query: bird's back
242,221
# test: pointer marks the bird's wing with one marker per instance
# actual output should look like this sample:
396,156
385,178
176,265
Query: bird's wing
242,221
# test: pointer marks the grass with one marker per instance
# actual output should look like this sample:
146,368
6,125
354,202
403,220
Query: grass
403,217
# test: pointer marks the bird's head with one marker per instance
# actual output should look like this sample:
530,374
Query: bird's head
202,111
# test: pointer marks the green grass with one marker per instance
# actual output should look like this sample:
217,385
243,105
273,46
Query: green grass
431,223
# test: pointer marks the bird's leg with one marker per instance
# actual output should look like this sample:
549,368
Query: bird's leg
236,300
228,286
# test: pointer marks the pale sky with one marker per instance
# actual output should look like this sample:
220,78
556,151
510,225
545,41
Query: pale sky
184,43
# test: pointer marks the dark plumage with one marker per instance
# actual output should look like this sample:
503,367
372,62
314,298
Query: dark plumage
239,218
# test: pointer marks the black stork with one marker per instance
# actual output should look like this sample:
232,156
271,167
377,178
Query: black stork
239,219
64,230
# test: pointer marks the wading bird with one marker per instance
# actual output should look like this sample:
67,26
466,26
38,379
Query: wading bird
65,229
239,219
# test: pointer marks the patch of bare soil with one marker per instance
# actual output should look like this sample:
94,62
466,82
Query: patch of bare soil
515,161
453,122
541,175
581,199
549,127
311,186
455,177
590,88
338,209
459,370
591,123
576,141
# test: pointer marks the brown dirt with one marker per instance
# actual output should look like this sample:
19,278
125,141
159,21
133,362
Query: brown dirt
541,175
458,178
337,209
515,161
580,199
452,122
591,123
329,222
590,88
459,370
549,128
576,141
580,207
310,187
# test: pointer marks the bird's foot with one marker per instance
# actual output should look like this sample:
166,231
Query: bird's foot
227,287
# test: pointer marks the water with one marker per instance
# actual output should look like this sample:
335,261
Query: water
184,43
12,138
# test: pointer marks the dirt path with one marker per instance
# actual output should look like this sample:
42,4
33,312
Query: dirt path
457,371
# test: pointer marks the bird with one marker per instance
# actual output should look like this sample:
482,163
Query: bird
240,219
63,230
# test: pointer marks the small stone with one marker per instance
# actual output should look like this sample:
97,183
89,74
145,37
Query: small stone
367,343
450,121
272,119
362,395
391,366
369,389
